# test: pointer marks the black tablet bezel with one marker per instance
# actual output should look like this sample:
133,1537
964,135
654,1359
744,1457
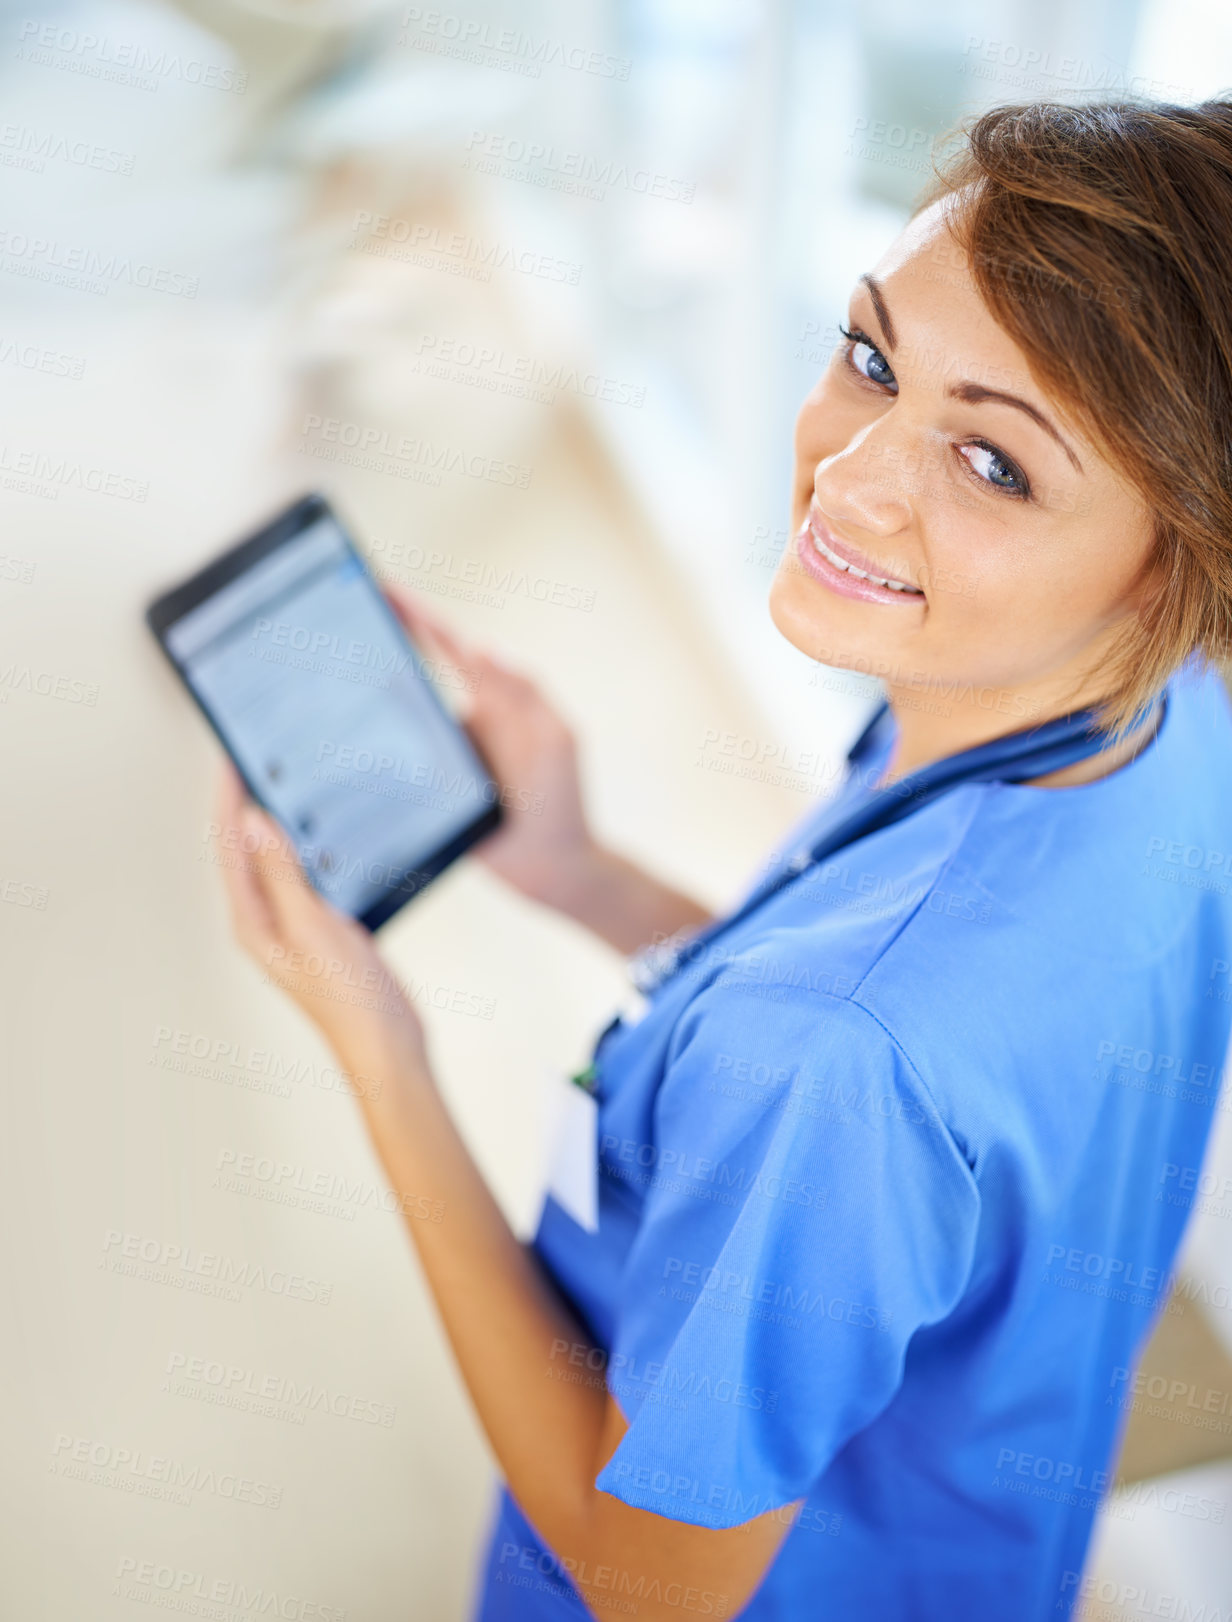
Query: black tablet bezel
173,604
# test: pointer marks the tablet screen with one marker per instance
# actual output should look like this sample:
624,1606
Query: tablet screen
325,706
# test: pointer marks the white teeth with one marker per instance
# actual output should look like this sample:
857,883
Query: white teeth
850,568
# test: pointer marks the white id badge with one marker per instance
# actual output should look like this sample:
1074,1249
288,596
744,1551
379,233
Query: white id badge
573,1176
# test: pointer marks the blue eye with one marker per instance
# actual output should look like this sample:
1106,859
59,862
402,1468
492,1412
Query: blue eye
986,462
995,469
864,357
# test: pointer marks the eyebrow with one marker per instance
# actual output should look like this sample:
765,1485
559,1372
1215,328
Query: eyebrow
970,393
879,304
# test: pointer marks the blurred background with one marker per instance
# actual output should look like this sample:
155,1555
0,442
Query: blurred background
597,250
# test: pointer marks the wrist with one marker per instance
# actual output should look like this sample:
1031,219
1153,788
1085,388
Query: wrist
385,1066
579,881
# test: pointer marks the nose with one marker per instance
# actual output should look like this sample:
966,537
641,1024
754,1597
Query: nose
865,486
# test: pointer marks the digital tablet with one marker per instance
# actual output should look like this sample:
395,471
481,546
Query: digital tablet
327,709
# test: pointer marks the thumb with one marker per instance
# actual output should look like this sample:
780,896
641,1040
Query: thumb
288,892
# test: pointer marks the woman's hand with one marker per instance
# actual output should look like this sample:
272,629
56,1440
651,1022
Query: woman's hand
326,962
543,846
505,1319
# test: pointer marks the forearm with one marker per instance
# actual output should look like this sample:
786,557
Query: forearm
534,1377
520,1352
621,902
504,1320
510,1330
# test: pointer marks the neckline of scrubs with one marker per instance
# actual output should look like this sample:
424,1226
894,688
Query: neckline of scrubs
874,746
1112,781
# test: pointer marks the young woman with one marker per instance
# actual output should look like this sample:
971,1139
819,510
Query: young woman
889,1160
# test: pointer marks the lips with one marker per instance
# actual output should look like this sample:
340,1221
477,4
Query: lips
838,565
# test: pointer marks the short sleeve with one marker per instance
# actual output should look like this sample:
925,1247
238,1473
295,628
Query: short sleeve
809,1213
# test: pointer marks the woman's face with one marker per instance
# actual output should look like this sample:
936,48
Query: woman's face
1011,547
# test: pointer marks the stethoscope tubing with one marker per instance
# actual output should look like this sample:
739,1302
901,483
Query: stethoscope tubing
1014,757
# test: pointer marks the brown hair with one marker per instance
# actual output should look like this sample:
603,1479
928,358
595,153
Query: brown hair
1100,238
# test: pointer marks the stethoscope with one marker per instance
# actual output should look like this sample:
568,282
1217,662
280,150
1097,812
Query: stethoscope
1013,758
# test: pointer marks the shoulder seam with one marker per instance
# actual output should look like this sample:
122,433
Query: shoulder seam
926,1091
923,1085
945,867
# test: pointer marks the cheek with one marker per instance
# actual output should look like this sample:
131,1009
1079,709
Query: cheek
818,429
976,566
825,427
1015,595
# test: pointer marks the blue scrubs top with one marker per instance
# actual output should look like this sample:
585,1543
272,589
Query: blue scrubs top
892,1178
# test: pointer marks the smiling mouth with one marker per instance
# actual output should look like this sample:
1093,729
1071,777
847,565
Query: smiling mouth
844,567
